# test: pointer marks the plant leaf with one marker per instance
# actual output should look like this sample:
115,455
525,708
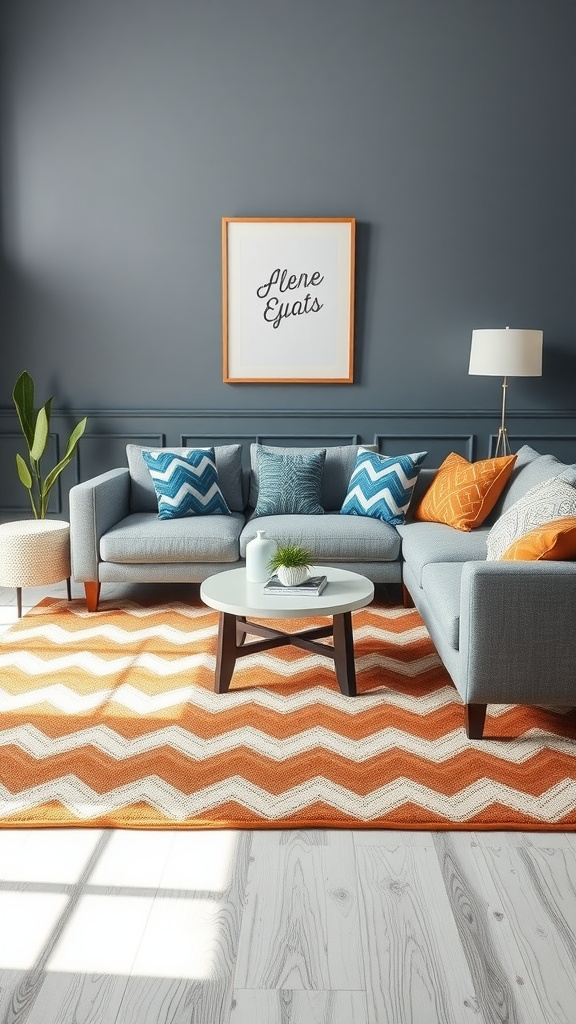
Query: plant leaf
23,472
75,436
23,398
53,475
41,432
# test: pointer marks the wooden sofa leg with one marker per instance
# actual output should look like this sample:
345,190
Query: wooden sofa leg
92,591
407,597
474,718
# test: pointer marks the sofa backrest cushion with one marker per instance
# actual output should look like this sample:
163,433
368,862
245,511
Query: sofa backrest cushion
338,468
143,496
530,469
425,478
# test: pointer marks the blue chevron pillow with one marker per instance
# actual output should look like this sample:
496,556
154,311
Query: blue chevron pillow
381,487
186,484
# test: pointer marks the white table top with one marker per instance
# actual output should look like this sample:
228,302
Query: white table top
230,592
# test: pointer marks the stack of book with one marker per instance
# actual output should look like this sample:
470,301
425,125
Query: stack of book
312,587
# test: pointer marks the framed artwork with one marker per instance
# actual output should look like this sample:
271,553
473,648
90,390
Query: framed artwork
288,299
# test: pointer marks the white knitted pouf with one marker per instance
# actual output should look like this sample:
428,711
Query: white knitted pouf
34,553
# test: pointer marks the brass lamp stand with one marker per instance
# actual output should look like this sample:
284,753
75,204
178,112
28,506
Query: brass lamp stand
503,444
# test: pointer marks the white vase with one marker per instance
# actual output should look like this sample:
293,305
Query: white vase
292,576
259,551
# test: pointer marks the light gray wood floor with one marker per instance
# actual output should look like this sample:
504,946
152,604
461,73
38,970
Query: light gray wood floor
280,927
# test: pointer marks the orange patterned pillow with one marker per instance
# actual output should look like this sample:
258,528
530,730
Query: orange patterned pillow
553,541
463,493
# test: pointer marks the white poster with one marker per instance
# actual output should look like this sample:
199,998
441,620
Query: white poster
288,300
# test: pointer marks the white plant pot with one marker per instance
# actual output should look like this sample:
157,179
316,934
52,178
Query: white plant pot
292,576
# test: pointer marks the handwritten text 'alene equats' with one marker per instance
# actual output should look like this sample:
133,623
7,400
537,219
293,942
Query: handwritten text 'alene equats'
275,310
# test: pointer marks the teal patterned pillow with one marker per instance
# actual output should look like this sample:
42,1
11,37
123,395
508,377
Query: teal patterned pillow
186,484
289,484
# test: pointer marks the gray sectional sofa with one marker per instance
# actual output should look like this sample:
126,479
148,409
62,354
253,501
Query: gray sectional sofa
505,631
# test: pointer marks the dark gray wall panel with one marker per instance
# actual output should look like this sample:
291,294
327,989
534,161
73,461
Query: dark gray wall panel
130,127
103,447
437,445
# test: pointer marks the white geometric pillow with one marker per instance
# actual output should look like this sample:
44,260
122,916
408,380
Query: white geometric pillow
551,499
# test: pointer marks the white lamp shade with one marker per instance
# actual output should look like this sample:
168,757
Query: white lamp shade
506,353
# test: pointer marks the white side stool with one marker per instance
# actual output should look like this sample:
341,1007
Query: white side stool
34,553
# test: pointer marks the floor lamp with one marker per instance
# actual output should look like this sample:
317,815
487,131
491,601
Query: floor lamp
505,353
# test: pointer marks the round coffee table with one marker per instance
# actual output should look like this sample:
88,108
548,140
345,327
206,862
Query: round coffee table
230,594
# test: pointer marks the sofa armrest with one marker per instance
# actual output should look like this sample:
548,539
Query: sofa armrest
95,506
517,632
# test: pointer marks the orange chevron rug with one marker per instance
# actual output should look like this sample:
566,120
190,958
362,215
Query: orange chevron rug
110,719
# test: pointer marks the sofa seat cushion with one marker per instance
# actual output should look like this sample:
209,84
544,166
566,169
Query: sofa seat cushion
331,537
143,538
427,543
441,584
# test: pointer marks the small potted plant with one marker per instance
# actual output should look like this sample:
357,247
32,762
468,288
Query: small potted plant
291,563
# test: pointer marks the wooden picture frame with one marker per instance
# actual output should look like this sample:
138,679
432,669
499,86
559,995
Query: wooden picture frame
288,300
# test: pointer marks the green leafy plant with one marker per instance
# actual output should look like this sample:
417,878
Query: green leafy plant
36,430
291,556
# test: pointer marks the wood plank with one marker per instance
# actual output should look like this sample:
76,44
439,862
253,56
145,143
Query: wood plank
185,963
293,1006
390,839
494,988
345,969
415,968
284,940
82,998
541,840
39,995
516,925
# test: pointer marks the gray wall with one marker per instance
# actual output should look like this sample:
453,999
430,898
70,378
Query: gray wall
130,127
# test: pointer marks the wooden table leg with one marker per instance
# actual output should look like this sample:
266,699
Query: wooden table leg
226,656
240,633
344,654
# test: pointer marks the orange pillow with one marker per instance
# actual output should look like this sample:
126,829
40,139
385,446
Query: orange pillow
463,493
553,541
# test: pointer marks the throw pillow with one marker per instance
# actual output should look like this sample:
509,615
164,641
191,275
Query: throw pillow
554,541
463,493
551,499
338,467
381,486
186,484
289,484
228,464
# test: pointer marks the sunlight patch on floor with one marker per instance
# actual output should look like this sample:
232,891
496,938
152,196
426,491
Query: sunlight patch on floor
46,855
139,935
201,861
27,921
